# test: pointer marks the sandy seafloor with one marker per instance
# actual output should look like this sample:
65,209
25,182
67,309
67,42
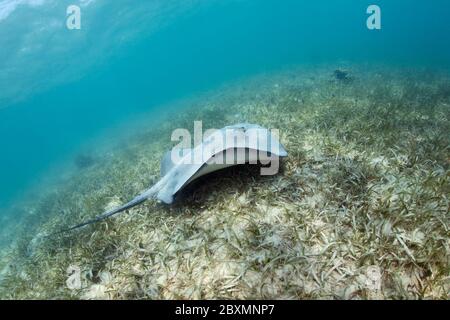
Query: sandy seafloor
365,189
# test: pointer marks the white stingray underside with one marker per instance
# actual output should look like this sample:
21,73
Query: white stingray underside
250,144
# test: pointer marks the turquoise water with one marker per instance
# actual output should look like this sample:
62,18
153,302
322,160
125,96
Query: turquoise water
59,88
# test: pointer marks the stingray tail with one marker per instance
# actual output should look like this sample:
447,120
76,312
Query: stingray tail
150,193
136,201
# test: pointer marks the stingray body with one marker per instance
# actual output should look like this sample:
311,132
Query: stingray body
233,145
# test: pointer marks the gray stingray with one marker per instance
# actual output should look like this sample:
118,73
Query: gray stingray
230,146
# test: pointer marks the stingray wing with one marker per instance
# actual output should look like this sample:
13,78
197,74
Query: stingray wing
180,171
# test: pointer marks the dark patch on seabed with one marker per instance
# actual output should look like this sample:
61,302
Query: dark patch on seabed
364,192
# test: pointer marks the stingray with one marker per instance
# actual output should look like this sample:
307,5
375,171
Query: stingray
233,145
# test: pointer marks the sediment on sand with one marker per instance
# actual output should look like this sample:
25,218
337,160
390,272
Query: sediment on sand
365,188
